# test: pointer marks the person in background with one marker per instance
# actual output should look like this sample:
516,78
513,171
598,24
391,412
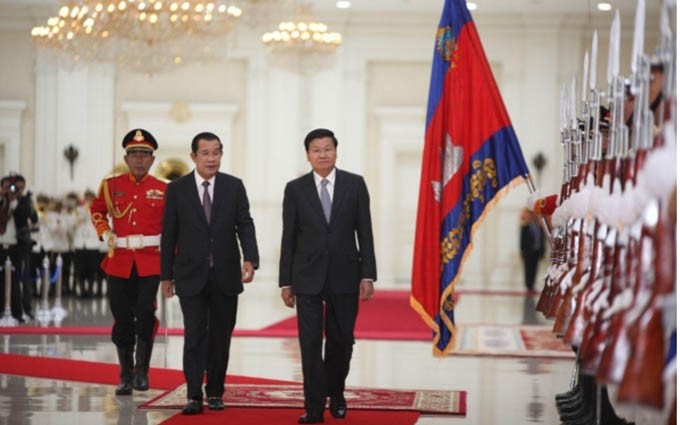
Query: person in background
18,219
86,246
134,203
532,247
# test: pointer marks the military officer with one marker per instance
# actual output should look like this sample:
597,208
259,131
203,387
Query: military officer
133,203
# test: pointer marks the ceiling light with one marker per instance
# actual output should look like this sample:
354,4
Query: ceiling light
138,35
471,5
604,6
343,4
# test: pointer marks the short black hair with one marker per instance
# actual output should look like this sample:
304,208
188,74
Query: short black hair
319,133
206,135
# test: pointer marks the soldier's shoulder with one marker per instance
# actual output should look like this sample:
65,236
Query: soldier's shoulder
161,180
114,176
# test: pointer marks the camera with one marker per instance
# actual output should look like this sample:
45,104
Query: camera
13,188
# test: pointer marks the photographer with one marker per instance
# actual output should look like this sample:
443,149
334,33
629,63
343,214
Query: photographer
18,218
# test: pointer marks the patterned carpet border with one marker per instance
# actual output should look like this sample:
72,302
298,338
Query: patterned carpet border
510,341
278,396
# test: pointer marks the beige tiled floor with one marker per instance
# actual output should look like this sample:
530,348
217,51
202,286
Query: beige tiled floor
499,390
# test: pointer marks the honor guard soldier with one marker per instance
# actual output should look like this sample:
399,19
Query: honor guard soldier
128,213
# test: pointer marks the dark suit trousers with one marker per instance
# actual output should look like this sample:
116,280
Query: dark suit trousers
530,269
209,320
133,305
325,376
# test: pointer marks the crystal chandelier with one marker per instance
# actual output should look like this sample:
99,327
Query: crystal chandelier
302,36
138,35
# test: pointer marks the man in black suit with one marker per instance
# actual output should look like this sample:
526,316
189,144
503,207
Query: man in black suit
325,214
206,216
532,246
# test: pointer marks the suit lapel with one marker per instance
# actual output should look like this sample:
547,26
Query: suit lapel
219,193
312,195
339,193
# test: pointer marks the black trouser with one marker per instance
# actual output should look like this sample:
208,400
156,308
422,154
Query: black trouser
133,304
530,269
27,279
209,319
325,376
86,265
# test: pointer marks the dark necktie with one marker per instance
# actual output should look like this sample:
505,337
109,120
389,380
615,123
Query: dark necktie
207,203
325,200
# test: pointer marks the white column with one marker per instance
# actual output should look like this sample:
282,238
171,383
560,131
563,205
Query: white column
73,107
394,206
10,133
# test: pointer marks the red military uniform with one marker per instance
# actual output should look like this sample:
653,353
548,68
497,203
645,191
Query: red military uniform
128,212
136,213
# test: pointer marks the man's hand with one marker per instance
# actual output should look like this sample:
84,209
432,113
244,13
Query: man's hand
167,288
288,296
365,289
110,238
247,272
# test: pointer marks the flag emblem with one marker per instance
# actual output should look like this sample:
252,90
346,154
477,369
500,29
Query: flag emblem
446,43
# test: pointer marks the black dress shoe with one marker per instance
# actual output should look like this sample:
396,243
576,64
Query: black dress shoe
193,407
215,403
124,388
338,408
310,419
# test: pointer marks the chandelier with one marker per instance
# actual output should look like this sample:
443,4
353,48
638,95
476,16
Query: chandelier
302,36
138,35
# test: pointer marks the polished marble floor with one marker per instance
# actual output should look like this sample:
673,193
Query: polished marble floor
499,390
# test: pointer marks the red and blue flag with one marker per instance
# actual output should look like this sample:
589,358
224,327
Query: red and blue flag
470,159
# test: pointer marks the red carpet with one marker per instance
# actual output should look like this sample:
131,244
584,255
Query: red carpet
99,373
105,373
386,316
248,416
276,395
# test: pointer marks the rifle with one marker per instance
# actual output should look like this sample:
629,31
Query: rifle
590,157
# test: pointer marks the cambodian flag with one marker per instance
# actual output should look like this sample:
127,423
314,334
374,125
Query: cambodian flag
471,157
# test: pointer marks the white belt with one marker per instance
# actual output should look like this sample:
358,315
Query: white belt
137,241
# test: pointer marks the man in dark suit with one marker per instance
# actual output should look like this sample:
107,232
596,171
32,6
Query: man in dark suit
532,246
325,214
206,216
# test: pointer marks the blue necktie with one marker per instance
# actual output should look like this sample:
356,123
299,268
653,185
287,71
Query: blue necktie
325,200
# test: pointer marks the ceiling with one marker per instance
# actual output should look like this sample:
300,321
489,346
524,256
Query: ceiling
489,6
420,6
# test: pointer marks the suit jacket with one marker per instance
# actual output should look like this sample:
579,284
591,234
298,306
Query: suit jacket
315,253
188,240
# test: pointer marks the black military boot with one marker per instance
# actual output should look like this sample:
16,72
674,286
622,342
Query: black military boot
142,358
126,370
